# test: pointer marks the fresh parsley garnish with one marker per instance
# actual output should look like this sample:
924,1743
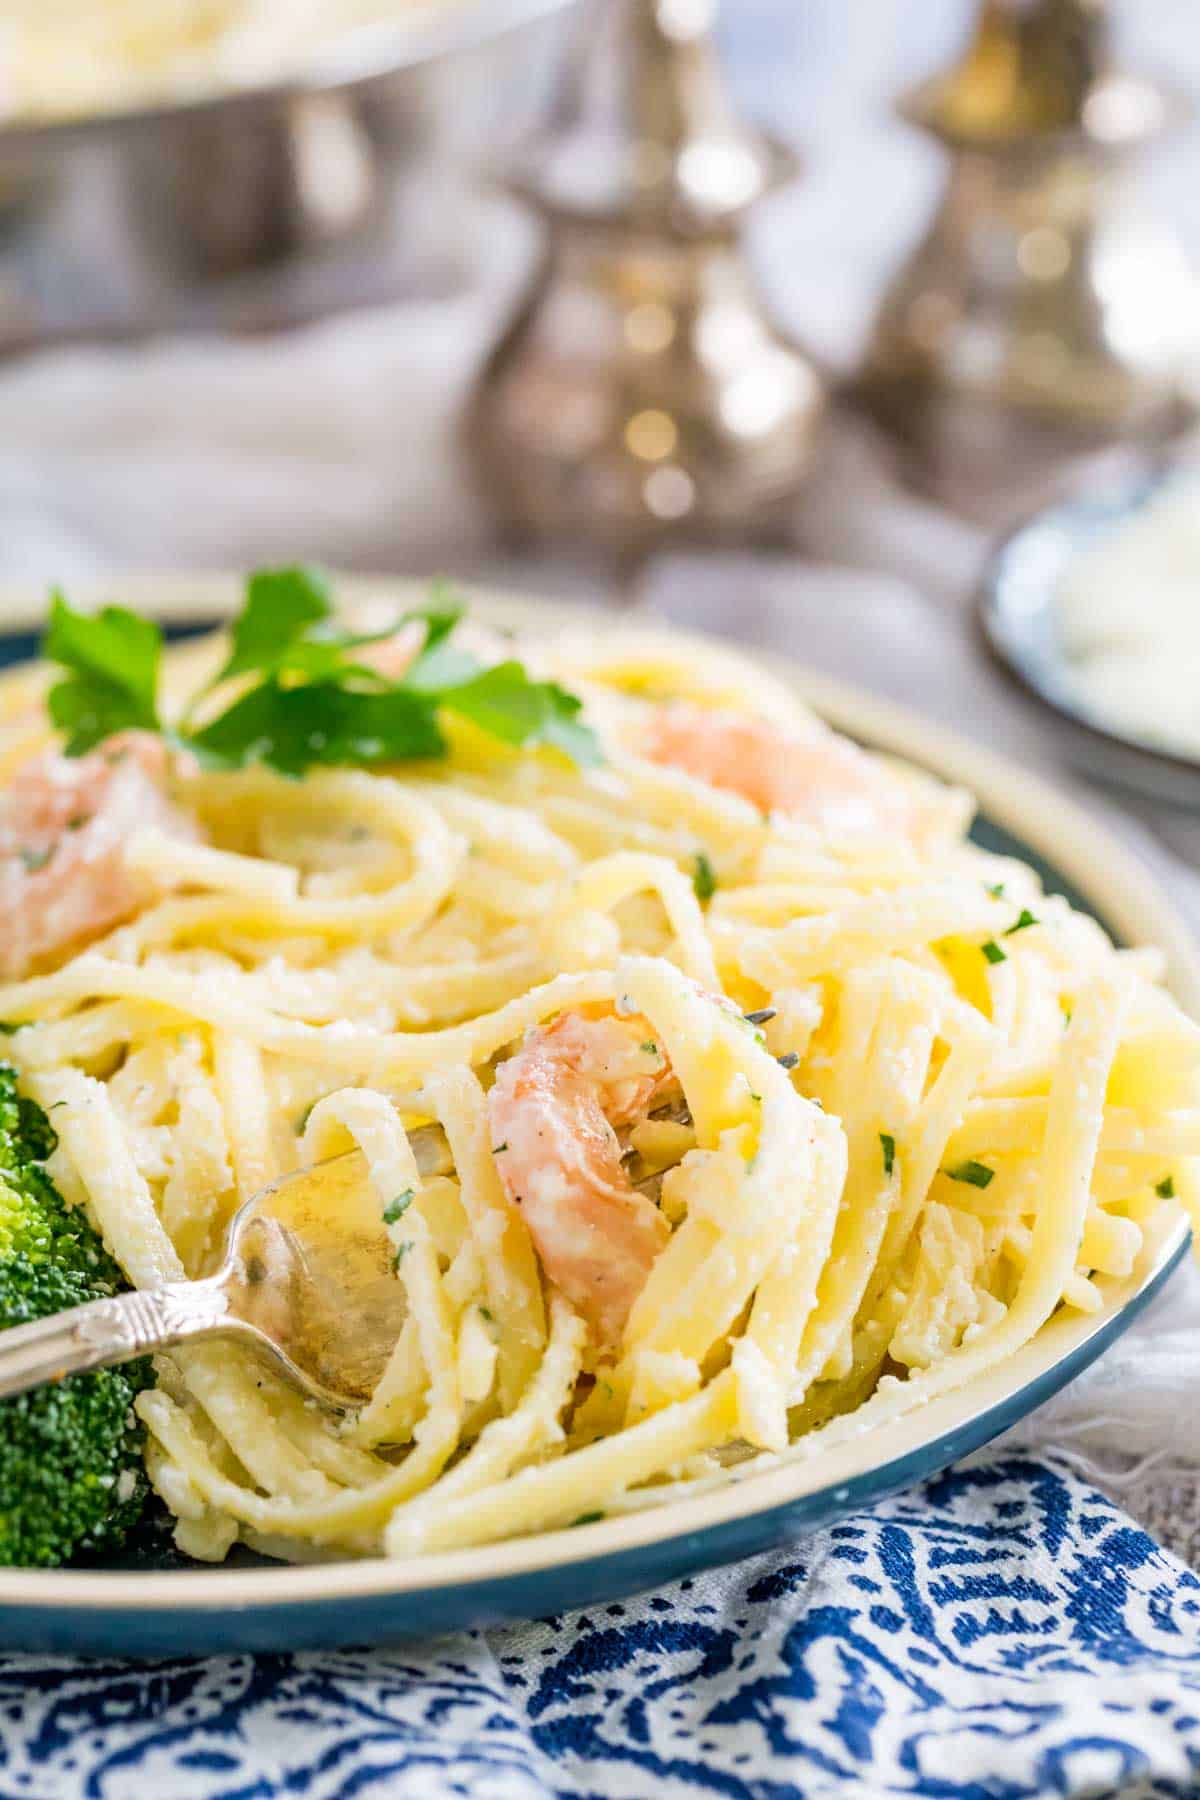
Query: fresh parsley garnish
704,877
402,1251
111,659
887,1144
996,890
396,1209
296,690
1023,923
975,1174
648,1047
280,607
36,859
993,952
1165,1188
588,1518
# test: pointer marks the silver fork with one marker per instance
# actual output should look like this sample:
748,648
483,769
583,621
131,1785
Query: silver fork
307,1281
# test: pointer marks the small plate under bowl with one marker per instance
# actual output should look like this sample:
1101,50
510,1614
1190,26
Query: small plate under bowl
1018,617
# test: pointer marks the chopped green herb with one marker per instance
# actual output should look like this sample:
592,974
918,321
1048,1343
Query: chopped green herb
486,1316
762,1017
402,1251
499,1149
997,890
887,1144
1025,920
35,859
789,1059
993,952
975,1174
704,877
8,1026
588,1518
396,1209
1166,1187
649,1047
78,822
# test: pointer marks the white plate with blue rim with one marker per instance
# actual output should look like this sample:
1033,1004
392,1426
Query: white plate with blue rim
151,1602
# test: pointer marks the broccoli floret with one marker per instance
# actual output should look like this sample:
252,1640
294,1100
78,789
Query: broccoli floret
71,1472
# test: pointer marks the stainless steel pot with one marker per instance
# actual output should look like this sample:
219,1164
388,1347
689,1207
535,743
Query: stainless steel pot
262,206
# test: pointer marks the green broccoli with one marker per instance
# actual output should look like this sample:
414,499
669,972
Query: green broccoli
71,1473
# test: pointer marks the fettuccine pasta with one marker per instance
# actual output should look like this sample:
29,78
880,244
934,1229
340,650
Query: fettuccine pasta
775,1107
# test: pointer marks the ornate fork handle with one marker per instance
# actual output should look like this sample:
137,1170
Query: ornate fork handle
105,1332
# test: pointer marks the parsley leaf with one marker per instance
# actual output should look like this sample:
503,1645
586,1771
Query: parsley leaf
113,659
1024,921
1165,1188
280,605
505,703
993,952
887,1144
439,664
319,722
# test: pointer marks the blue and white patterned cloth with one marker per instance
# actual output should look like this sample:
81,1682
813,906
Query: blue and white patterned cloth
1002,1632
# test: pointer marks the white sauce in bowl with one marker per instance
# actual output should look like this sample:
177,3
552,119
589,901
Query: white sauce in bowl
1128,613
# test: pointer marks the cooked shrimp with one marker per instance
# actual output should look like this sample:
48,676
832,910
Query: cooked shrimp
554,1113
64,822
818,777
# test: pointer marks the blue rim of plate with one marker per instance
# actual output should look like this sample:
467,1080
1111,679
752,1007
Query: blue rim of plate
123,1611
